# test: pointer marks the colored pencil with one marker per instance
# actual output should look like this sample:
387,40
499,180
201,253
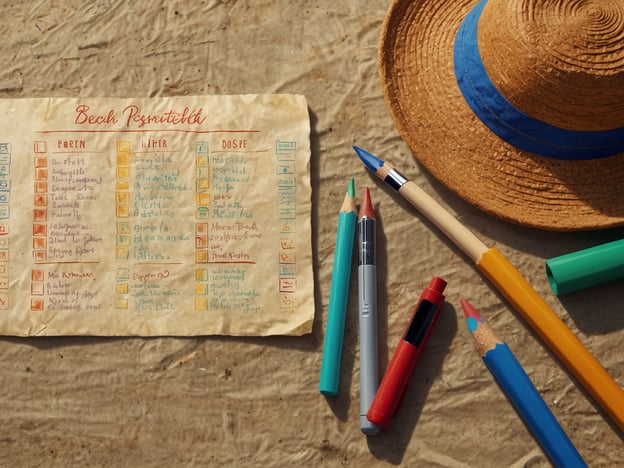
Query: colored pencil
338,295
521,392
515,288
367,302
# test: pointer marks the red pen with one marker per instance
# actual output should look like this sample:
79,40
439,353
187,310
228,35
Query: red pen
405,358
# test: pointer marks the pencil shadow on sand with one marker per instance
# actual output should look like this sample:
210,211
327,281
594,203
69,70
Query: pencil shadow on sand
390,444
595,311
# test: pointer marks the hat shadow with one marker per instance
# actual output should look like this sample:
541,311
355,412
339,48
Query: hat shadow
586,180
595,311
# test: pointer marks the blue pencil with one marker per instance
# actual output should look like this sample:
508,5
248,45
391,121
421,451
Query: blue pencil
521,392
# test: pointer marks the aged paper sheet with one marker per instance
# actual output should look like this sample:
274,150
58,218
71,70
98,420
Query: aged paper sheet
162,216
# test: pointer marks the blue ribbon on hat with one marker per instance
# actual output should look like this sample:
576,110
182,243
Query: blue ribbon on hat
510,123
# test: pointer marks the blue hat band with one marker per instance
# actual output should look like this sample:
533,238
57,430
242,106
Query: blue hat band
513,125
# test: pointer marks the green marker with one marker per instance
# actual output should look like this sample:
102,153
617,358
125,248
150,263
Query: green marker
338,295
588,267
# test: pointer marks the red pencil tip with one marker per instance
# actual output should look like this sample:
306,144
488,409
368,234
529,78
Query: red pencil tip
469,310
366,208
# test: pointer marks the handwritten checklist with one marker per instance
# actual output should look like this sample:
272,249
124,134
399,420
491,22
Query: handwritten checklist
155,216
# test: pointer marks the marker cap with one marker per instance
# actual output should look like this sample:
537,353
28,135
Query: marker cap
585,268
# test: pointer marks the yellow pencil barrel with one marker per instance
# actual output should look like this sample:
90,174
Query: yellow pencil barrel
545,322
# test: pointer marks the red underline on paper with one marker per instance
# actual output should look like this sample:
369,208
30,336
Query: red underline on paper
241,152
66,263
227,263
77,152
147,131
158,263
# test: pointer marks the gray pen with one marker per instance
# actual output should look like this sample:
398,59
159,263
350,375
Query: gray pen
367,300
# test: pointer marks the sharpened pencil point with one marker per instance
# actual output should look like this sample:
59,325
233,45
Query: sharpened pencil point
348,204
470,311
371,161
351,189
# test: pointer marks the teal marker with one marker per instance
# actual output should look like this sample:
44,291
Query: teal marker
584,268
338,295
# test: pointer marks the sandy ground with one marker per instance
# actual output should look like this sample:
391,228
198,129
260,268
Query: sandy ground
218,401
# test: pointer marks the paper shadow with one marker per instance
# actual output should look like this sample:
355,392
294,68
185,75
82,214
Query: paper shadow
315,182
53,342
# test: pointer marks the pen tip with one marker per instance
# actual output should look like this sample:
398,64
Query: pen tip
351,189
371,161
470,311
366,208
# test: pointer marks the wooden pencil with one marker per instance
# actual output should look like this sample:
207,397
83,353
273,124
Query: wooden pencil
521,392
338,295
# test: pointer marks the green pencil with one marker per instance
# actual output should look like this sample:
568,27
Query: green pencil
338,295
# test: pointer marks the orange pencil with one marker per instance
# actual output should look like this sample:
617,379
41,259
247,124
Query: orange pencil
511,284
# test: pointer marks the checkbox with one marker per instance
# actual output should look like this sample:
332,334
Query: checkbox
39,243
123,172
122,198
203,184
37,289
201,274
123,146
121,252
201,256
123,159
37,275
41,147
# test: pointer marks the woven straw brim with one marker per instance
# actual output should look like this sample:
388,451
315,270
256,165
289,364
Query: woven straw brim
418,79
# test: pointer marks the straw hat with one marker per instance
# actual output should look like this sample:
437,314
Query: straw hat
516,105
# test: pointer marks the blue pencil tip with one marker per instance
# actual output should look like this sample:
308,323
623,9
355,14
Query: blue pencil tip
371,161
